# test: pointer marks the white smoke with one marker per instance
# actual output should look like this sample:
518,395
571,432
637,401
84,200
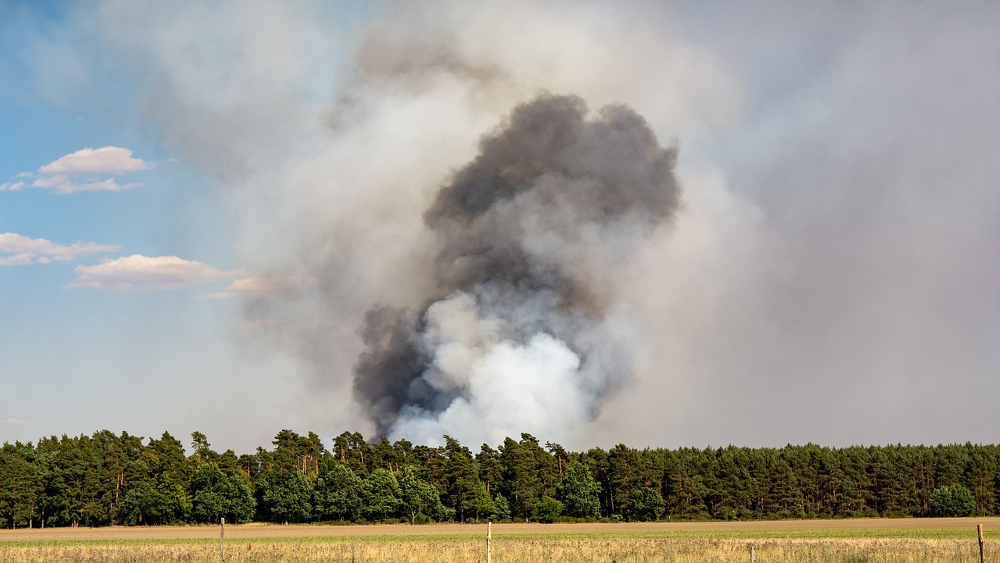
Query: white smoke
511,387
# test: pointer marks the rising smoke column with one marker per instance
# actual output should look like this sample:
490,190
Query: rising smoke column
532,234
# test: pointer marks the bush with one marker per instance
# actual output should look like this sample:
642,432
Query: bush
645,503
501,508
423,519
955,500
548,509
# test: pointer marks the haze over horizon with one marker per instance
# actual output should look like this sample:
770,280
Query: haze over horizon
204,207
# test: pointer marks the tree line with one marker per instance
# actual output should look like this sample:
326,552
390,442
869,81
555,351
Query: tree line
109,479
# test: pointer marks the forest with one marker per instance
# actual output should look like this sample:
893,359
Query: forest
109,479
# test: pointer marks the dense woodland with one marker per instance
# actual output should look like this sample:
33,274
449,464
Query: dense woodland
107,479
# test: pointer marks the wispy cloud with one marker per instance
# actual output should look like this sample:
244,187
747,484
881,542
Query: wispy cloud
19,250
66,185
88,170
17,422
263,286
146,273
11,186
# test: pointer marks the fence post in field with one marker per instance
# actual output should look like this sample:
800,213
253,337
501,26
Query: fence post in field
753,553
489,538
982,552
222,537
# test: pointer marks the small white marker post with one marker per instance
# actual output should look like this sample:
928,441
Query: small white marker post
753,554
222,538
489,538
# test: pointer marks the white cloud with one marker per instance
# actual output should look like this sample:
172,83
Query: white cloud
145,273
17,422
18,250
87,170
98,162
264,286
11,186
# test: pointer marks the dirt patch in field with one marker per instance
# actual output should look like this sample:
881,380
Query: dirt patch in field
263,531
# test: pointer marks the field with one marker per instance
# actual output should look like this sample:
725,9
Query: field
855,541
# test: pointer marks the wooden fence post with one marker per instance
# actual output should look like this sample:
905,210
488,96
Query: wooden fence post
982,552
489,539
222,538
753,554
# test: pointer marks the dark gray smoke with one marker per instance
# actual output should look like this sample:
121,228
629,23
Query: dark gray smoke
531,234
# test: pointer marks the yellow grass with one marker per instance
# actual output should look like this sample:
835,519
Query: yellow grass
621,550
843,541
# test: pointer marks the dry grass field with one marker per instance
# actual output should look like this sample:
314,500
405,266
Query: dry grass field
838,541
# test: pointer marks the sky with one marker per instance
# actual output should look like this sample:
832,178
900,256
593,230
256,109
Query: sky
199,202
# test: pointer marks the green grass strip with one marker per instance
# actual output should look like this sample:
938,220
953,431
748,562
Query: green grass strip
758,534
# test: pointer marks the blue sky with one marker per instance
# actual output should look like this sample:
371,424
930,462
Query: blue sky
200,202
103,356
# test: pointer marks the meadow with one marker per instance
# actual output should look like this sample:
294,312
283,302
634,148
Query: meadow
854,541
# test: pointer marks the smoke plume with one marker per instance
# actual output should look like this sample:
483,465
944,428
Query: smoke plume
530,235
831,276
